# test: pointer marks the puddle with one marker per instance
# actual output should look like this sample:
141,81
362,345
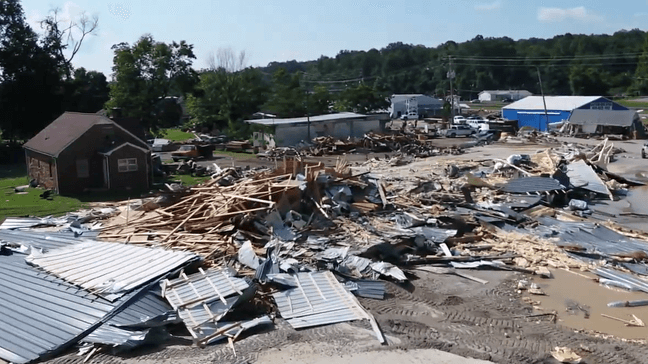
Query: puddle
570,295
638,199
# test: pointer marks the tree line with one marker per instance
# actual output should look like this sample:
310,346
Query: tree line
38,81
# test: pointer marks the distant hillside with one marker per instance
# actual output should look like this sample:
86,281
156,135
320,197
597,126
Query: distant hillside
569,64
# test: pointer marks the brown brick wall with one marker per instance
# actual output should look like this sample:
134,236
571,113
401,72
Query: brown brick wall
42,168
134,180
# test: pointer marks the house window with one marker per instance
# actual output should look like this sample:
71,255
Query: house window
127,165
601,106
82,168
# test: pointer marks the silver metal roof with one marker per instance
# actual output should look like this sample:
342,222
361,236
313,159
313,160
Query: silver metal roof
43,314
583,176
44,240
304,120
318,299
561,103
623,118
203,298
110,269
27,222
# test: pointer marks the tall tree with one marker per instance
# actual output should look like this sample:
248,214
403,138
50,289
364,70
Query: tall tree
288,98
362,99
87,91
640,82
30,84
66,34
146,73
224,99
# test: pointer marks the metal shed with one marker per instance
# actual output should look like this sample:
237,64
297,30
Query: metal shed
530,111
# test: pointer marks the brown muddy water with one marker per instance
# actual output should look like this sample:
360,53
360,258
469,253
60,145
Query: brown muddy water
571,295
638,199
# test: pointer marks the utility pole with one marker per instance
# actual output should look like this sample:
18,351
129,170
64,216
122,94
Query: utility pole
543,97
451,75
308,117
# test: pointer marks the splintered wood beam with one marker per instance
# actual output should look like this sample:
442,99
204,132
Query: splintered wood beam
184,221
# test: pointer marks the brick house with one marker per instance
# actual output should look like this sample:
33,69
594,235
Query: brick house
78,152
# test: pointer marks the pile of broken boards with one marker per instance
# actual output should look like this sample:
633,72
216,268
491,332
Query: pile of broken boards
417,145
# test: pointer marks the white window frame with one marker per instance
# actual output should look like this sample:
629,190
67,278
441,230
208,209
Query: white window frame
82,167
601,106
127,165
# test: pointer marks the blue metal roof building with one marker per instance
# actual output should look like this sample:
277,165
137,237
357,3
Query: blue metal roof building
530,111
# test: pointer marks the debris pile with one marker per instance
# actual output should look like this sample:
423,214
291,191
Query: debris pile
300,243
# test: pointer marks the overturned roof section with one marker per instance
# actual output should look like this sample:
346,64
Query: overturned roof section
564,103
623,118
304,120
505,92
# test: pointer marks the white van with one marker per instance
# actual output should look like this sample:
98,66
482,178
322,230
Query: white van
459,120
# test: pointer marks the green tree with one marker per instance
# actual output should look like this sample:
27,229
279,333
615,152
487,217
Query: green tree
640,82
224,99
288,98
361,99
319,101
29,76
146,73
87,91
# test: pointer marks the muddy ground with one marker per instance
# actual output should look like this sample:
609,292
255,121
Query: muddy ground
445,312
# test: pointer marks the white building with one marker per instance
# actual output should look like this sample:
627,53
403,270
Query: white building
426,105
292,131
501,95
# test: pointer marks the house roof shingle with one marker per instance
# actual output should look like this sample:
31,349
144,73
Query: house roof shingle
67,128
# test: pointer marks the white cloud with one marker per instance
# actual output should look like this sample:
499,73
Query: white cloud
489,6
560,14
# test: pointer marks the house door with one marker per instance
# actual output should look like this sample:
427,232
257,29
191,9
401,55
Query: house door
106,173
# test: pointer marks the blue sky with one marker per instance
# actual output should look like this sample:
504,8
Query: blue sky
280,30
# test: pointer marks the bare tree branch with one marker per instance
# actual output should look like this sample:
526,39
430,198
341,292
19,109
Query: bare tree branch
226,59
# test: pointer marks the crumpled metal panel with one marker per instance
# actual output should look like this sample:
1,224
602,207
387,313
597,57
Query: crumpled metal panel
624,278
150,310
592,238
318,299
110,269
532,184
583,176
28,222
44,240
203,298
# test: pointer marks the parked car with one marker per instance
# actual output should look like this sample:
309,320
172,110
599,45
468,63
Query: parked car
191,151
411,115
459,130
644,151
459,120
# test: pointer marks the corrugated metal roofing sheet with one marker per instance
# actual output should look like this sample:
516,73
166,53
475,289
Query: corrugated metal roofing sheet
561,103
318,299
622,118
303,120
202,299
41,313
626,279
110,269
27,222
583,176
532,184
44,240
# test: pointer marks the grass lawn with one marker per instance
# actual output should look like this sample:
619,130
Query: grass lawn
30,204
176,135
188,180
629,103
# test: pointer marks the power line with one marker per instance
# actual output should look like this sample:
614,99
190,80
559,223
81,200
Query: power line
547,58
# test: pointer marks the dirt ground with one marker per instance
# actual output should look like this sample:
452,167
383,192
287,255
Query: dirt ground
438,318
